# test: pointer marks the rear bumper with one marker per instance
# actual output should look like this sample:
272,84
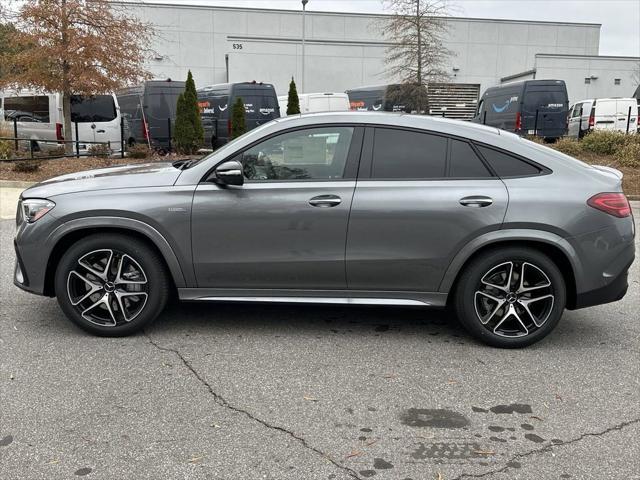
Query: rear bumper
612,292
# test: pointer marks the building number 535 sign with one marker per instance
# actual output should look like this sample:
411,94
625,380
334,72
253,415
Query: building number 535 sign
237,46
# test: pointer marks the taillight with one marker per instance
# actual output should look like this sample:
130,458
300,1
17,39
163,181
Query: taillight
145,130
615,204
518,122
592,121
59,135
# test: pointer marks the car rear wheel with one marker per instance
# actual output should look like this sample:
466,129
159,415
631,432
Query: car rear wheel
111,285
510,298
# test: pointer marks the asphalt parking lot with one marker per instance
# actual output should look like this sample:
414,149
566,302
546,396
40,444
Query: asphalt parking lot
215,391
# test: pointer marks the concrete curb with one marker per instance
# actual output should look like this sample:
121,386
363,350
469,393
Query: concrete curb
15,184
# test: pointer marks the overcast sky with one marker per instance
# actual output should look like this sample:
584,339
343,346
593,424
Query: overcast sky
620,19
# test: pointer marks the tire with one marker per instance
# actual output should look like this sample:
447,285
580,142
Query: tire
510,317
112,302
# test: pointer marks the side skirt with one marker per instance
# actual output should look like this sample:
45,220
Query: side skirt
339,297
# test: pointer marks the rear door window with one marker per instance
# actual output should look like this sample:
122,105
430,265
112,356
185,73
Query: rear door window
34,107
161,102
506,165
544,99
408,155
258,105
99,108
464,163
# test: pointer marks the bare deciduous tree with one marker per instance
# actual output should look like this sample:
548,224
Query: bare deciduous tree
416,55
75,47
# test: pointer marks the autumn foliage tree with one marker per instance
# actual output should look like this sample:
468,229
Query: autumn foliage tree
74,47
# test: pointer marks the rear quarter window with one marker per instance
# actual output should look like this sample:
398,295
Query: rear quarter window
506,165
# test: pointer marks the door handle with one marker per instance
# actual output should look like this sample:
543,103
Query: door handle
476,201
325,201
100,131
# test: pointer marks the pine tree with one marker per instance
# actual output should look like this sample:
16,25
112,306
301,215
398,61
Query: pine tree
189,134
238,124
293,102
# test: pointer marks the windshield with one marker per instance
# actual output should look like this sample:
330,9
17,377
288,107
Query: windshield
100,108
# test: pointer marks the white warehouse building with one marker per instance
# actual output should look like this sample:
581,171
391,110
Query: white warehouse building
346,50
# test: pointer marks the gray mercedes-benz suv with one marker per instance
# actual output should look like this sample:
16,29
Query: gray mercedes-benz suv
347,208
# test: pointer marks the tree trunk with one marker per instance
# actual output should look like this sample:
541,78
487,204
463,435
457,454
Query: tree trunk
66,115
419,70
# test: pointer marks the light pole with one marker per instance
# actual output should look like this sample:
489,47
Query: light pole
304,5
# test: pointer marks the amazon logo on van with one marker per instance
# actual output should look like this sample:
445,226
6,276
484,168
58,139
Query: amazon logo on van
500,109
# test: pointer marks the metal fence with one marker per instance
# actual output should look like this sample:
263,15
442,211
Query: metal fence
35,142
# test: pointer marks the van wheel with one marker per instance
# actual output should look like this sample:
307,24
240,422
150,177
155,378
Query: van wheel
111,285
131,142
35,146
510,298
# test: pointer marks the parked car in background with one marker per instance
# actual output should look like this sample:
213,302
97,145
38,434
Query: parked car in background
343,208
216,105
530,107
614,114
150,111
386,98
317,102
39,117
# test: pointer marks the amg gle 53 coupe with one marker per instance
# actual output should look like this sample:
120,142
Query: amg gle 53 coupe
346,208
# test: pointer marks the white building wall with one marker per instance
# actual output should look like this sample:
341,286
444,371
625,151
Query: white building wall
574,69
342,50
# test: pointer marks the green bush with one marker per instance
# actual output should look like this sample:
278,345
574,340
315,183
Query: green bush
138,151
603,142
27,166
293,102
238,123
568,146
629,154
188,132
6,149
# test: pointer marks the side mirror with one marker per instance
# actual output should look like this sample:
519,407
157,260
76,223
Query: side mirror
228,173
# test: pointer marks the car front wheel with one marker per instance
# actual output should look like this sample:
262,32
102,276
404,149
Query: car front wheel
111,285
511,297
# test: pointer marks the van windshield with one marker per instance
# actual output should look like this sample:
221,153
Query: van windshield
544,100
100,108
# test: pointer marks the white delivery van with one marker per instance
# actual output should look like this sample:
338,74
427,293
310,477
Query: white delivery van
615,114
38,117
317,102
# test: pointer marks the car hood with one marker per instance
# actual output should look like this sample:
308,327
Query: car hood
122,176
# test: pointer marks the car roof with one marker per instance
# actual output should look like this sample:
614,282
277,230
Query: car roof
425,122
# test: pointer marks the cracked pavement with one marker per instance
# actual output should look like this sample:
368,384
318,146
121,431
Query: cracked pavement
224,391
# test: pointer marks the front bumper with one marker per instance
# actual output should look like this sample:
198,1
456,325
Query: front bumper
32,253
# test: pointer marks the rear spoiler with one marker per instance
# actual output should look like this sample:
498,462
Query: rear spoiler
610,170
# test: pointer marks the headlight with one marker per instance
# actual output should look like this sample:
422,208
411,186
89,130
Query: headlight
35,208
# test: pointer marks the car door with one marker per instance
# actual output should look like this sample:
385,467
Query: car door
419,199
285,228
